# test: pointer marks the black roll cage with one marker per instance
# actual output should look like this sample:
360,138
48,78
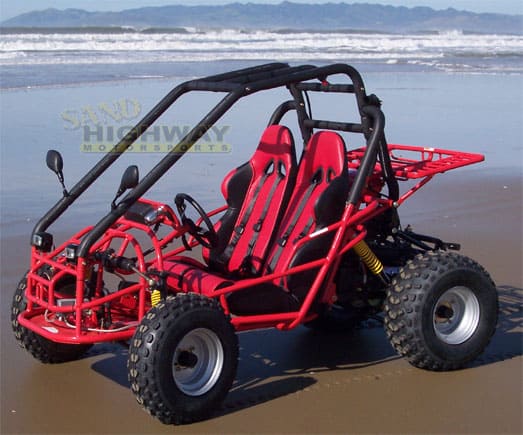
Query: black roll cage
237,84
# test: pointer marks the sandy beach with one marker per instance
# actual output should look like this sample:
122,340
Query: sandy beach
302,381
80,89
287,382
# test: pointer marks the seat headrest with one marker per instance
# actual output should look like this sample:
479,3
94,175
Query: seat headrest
324,156
276,142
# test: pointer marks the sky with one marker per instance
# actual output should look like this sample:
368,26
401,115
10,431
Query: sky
11,8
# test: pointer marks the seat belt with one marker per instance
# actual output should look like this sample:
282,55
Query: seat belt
238,231
316,179
258,225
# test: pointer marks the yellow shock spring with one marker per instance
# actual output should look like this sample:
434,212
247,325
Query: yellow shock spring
156,297
368,257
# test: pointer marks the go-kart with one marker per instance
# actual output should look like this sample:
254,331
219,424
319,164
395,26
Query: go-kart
313,241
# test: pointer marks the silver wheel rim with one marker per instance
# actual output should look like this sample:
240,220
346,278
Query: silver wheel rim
456,315
197,362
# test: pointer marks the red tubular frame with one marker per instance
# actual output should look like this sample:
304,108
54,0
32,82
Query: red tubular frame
349,230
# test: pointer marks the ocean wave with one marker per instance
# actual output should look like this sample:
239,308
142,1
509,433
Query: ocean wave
121,45
191,29
257,40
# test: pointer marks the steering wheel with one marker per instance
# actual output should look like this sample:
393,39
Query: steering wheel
205,236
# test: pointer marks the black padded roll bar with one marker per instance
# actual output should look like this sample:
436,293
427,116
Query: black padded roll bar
326,87
334,125
154,175
281,110
109,158
369,158
236,84
205,84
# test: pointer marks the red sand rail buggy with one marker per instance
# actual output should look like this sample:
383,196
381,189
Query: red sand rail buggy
315,241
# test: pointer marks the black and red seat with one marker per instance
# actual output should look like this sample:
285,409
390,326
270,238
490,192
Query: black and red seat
318,200
257,194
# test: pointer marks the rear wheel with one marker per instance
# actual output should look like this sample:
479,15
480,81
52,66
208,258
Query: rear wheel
42,349
183,359
441,310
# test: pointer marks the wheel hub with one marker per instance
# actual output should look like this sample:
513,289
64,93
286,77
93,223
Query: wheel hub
444,314
456,315
197,362
186,360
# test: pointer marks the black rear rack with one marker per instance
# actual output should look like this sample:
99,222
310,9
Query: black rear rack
237,84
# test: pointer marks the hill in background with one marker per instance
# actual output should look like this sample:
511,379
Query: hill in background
286,15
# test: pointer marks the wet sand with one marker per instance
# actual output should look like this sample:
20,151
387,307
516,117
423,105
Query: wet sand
305,382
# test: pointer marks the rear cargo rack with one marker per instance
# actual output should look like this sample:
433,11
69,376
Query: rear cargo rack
411,162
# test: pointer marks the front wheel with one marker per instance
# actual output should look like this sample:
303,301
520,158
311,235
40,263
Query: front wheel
42,349
441,310
183,359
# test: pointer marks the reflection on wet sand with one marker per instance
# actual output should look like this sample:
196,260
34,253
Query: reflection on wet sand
302,381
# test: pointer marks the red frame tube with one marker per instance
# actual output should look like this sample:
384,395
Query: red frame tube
349,230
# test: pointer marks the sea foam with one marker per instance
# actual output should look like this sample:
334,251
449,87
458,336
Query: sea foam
121,46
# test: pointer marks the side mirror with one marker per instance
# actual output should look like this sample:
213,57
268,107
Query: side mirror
129,180
55,163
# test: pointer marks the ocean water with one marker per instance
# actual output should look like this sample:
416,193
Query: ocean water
79,91
38,57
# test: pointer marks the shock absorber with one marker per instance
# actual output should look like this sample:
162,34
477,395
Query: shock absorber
159,290
156,296
371,261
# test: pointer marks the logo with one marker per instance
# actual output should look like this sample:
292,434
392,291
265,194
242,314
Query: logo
103,126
